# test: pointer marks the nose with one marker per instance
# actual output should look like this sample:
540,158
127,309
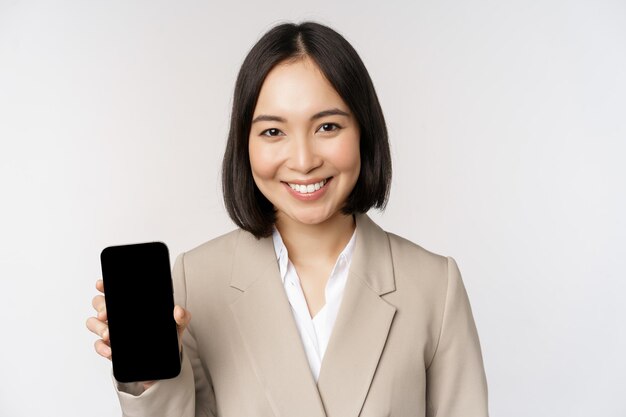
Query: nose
303,156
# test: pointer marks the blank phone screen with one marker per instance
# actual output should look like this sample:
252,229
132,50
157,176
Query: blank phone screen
140,311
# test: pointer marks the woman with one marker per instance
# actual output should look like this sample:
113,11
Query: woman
309,308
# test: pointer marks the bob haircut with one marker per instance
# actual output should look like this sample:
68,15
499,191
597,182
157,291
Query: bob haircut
343,68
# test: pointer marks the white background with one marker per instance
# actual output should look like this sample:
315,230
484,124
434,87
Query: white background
507,127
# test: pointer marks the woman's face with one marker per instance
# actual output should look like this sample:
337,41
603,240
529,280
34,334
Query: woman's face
303,136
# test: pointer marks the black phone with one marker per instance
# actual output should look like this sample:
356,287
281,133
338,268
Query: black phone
139,297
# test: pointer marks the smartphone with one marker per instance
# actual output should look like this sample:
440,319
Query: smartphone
139,298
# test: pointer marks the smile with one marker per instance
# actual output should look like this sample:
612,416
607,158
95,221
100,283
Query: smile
307,189
308,192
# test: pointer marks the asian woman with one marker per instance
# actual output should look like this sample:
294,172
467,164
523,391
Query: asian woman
308,307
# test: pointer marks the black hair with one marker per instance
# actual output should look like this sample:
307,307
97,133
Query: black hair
342,66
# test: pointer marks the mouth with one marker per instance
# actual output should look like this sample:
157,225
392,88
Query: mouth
309,188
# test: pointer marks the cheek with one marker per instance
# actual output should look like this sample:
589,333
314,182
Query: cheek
347,156
262,161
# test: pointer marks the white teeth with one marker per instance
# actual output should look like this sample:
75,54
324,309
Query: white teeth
305,189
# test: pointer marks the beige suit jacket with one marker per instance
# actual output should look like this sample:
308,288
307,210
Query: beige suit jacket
404,342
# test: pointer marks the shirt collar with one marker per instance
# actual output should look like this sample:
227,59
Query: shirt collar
282,255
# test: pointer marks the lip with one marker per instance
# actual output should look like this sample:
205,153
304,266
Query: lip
315,195
307,182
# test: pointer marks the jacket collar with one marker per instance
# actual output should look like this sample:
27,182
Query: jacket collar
282,254
264,318
371,260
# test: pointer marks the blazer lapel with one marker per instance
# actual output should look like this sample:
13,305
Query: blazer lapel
363,322
267,326
268,329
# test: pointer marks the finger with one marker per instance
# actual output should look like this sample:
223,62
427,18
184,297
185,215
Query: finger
182,317
99,305
99,328
100,285
102,316
98,302
103,349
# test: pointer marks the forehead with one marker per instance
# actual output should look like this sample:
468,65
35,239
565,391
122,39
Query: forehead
297,88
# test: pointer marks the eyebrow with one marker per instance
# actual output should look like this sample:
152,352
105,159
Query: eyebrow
323,113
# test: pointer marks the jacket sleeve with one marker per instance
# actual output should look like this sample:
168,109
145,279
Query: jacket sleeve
190,394
456,381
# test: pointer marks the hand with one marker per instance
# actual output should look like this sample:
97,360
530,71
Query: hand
99,326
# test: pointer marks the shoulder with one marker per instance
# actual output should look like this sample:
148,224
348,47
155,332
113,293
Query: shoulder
419,273
214,257
203,272
408,254
216,247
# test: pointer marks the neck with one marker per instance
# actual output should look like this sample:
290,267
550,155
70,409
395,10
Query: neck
307,243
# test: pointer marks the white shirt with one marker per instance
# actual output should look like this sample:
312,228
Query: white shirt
314,332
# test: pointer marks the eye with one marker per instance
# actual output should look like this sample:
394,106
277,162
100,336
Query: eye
327,126
271,131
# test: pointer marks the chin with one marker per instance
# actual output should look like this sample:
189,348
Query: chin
310,218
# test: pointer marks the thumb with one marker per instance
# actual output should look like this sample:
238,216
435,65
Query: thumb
181,316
